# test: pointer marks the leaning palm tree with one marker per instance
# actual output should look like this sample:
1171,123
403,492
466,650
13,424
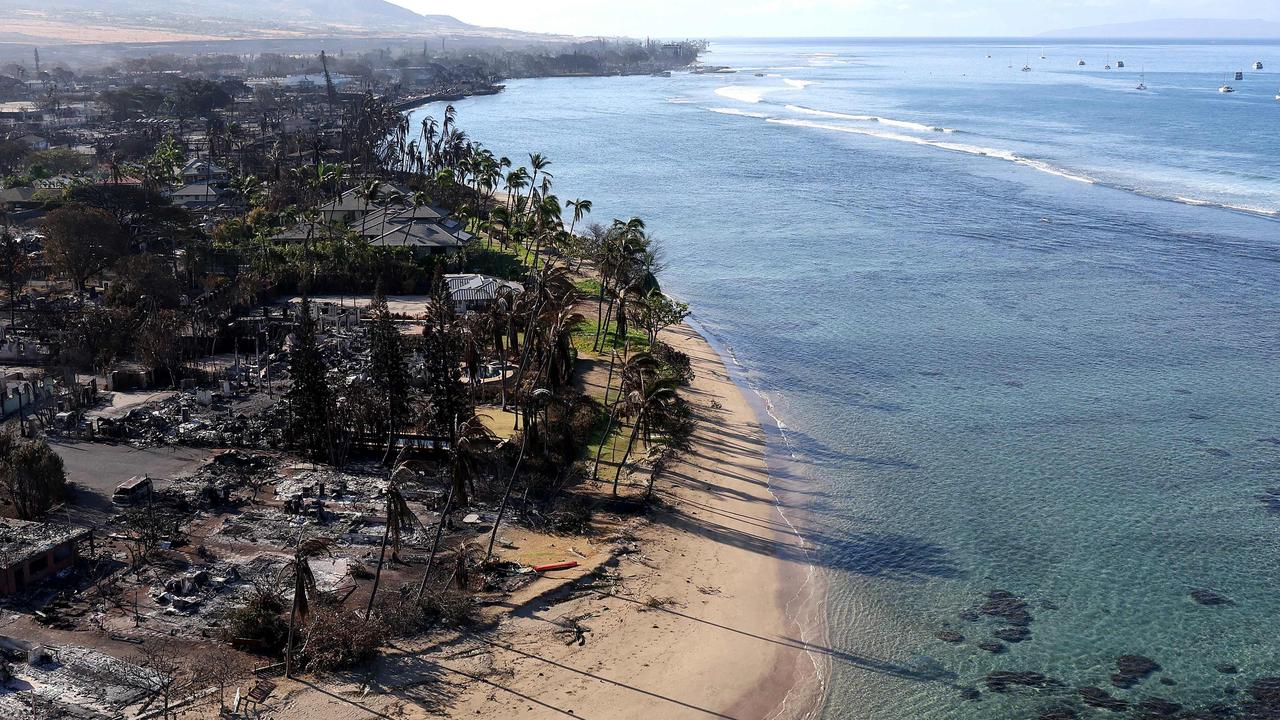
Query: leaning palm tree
539,398
304,590
399,518
635,373
646,404
467,456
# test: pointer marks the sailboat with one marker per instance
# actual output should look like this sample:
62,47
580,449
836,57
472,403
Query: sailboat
1142,81
1081,62
1026,67
1257,65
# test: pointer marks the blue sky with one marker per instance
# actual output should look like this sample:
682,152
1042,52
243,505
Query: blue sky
791,18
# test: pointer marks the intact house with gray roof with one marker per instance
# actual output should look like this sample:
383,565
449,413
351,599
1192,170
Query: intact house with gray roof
424,229
474,293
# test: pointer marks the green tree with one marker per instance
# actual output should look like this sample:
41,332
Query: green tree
387,366
31,475
309,397
646,404
448,399
81,242
14,268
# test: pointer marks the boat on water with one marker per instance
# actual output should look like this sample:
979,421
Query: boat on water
1257,65
1226,89
759,74
1081,62
1026,68
662,73
1119,63
1142,80
1239,75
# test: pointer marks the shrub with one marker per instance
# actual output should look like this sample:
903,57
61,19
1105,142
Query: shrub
336,638
257,625
673,363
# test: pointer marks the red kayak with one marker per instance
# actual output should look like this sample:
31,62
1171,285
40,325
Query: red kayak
556,566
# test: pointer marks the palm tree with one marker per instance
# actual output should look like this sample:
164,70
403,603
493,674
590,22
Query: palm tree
646,403
539,163
399,518
636,372
517,180
304,590
369,192
541,396
467,456
581,208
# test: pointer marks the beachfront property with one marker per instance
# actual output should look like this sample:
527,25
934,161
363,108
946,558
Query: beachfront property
473,292
425,229
32,552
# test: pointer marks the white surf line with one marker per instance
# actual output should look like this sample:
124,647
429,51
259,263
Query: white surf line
807,591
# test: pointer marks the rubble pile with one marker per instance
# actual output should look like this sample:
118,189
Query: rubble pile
185,419
79,683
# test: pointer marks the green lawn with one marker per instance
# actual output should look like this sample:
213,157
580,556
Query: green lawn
585,334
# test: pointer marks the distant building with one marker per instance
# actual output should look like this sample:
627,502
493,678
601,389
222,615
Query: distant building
472,292
204,171
198,194
31,552
426,230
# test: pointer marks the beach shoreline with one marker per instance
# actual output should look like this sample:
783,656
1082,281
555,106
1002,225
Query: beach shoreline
802,589
717,615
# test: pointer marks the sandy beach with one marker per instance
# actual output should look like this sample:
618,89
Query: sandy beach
715,614
726,570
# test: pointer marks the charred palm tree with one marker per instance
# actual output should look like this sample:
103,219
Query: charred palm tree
304,590
399,518
467,457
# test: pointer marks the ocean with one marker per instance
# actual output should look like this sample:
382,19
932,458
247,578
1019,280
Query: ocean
1015,330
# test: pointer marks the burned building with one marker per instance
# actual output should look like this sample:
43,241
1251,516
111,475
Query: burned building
31,552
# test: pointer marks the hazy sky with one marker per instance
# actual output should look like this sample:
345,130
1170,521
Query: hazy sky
716,18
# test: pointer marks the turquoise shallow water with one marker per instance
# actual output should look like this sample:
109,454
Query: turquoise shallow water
990,372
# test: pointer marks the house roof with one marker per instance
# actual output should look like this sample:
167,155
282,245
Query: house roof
473,287
419,234
20,539
18,195
200,189
203,167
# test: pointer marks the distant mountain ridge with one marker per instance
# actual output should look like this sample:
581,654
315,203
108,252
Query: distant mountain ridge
1177,28
98,21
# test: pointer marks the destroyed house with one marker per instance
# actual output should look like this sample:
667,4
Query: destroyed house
31,552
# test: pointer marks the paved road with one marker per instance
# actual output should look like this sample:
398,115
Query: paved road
97,468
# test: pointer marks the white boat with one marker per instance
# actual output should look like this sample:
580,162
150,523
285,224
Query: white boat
1257,65
1142,80
1226,89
